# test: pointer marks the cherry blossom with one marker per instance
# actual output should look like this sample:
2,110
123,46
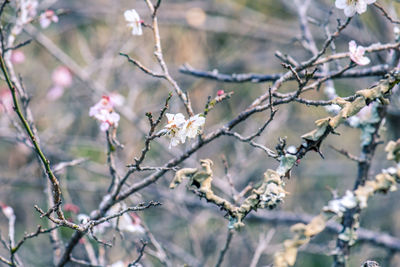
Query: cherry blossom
25,16
61,78
357,54
174,128
17,57
6,100
193,126
134,21
47,17
351,7
178,128
103,111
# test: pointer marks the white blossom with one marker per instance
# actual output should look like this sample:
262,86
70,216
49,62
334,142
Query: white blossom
357,54
27,13
134,21
175,123
193,126
351,7
178,128
47,17
28,10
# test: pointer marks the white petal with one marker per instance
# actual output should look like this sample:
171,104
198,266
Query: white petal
352,47
44,22
341,4
131,15
104,126
179,117
137,30
370,1
361,7
93,111
349,11
363,61
170,116
360,50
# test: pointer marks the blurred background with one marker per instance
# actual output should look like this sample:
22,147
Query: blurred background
231,36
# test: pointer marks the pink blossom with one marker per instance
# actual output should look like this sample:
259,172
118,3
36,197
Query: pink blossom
116,99
62,76
220,92
55,93
6,100
72,208
357,54
103,111
17,57
47,17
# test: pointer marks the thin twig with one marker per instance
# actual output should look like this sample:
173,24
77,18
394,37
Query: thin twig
225,248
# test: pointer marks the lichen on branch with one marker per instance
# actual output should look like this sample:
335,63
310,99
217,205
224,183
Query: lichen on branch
383,183
268,195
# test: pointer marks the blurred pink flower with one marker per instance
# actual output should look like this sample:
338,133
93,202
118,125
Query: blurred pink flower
103,111
17,57
220,92
62,76
47,17
55,93
357,54
6,100
116,99
72,208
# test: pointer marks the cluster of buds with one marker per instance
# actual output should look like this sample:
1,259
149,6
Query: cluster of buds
178,128
103,111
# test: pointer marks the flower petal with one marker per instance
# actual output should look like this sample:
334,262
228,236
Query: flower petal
349,11
341,4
